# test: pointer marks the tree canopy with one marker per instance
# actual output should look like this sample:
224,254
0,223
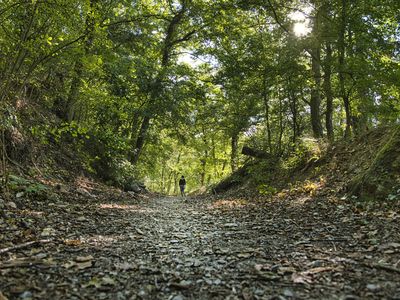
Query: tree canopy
157,89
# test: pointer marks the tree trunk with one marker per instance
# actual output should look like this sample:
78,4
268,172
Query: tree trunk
203,160
294,111
214,158
162,178
234,151
281,127
168,44
13,65
171,175
176,180
255,153
73,95
141,139
203,163
341,58
328,92
267,117
315,102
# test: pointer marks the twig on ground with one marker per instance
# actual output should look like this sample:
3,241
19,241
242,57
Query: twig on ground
384,267
24,245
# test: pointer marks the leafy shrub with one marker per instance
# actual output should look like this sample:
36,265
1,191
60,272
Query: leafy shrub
395,195
307,149
25,186
262,171
35,188
266,190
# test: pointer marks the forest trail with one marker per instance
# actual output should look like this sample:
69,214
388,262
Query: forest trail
168,248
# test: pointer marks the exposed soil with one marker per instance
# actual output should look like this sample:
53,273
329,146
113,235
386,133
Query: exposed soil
100,247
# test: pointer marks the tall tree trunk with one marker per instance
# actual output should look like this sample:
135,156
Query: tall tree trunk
294,111
328,92
203,160
281,127
169,184
315,102
203,163
341,58
176,180
169,42
162,183
73,95
214,157
267,116
3,161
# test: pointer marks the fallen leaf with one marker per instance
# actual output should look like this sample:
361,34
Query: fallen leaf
258,267
2,297
227,225
288,293
69,264
317,270
269,276
84,265
72,242
95,282
184,284
373,287
243,255
83,258
389,245
48,231
286,270
106,280
300,278
11,205
26,295
125,266
139,231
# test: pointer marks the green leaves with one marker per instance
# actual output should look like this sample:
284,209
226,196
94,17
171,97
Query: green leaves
115,69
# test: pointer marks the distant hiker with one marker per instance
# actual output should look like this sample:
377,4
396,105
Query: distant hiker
182,185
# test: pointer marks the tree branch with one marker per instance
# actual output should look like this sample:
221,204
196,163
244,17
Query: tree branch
127,21
185,38
276,17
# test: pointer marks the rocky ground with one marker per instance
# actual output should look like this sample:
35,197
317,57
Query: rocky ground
103,247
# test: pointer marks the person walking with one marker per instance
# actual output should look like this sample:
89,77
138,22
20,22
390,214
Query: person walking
182,185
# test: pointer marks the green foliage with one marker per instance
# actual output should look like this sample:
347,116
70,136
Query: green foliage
41,134
266,190
394,196
16,181
305,151
29,187
35,189
65,131
72,129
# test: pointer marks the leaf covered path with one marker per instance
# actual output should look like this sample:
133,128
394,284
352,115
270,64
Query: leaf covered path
167,248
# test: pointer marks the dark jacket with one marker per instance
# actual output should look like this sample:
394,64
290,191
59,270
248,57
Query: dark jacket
182,181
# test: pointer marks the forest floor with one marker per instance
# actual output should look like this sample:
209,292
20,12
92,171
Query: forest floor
103,247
